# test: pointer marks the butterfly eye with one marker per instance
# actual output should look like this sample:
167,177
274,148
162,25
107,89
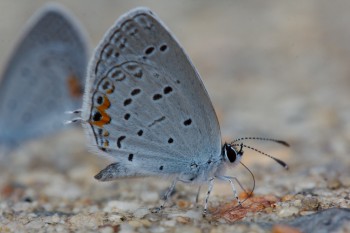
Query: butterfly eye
230,153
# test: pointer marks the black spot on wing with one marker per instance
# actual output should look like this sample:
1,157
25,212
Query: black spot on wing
167,90
119,140
135,91
188,122
140,132
149,50
127,116
127,102
157,96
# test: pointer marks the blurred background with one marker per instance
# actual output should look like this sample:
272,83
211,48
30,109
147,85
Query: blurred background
272,68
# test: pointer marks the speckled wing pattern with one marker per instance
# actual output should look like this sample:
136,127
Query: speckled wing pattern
43,77
144,103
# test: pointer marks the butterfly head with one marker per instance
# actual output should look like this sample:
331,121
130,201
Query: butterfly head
232,154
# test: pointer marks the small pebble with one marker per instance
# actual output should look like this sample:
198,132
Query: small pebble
141,212
310,203
61,228
54,189
154,217
35,224
106,229
182,204
135,223
150,197
193,214
116,206
81,221
55,218
333,184
22,206
187,229
284,229
126,228
303,213
287,197
271,198
297,203
345,180
267,210
168,223
183,220
146,222
288,211
8,215
115,218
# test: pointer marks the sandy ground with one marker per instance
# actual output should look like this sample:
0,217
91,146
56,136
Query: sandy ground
275,69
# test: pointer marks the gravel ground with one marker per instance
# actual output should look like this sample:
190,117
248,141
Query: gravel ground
274,69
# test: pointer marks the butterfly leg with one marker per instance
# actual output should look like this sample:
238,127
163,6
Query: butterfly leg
210,187
239,183
197,196
168,192
229,179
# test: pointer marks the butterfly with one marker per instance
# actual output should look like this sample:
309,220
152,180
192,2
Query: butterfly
147,108
44,76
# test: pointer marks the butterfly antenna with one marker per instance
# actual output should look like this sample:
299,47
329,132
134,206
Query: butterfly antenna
262,139
251,173
283,164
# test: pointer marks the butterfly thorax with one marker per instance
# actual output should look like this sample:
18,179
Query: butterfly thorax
230,156
202,172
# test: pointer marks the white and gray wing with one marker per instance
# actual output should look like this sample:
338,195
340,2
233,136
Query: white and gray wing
144,101
44,76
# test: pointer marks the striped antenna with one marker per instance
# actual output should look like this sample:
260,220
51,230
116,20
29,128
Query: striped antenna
261,139
283,164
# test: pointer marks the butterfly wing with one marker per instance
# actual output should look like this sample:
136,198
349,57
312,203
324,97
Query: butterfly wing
44,76
145,103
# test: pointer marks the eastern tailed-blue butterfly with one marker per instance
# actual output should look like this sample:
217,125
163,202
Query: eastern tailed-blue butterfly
43,77
146,106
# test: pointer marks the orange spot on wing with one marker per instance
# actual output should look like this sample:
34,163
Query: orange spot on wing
105,133
105,119
74,87
105,105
